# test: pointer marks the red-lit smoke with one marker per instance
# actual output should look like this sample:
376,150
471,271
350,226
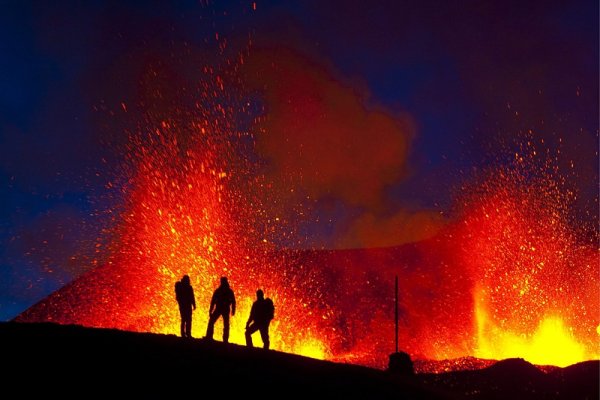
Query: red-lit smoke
322,140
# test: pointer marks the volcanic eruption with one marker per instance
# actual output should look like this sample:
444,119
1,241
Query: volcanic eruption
507,276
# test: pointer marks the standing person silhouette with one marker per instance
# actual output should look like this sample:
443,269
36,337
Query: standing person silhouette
184,294
261,314
222,302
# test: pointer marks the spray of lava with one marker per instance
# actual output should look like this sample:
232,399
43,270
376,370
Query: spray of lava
535,292
194,205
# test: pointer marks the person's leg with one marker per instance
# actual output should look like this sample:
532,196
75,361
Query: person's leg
226,327
249,331
264,334
188,326
186,316
182,327
211,324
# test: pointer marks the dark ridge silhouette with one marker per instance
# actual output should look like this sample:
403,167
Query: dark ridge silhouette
516,378
580,380
74,361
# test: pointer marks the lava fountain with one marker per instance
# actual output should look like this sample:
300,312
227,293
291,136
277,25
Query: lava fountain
189,206
535,292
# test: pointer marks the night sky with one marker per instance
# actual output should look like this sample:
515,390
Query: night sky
423,95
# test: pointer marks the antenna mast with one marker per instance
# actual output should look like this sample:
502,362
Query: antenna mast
396,313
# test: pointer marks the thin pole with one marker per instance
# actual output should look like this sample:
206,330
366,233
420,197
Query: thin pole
396,314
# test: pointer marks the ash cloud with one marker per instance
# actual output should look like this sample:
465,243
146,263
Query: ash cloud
318,135
325,143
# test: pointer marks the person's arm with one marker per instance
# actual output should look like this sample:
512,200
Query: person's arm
212,303
251,316
193,298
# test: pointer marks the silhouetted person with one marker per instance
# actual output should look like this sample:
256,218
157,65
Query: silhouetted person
222,302
184,293
261,314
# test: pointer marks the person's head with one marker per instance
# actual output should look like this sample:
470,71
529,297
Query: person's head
259,294
224,281
185,279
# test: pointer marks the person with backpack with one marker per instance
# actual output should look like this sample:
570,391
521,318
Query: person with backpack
184,294
261,314
221,304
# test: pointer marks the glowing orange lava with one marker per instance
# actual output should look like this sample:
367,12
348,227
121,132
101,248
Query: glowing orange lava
552,343
185,216
536,290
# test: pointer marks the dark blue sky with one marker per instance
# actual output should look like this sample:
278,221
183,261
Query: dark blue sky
472,76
